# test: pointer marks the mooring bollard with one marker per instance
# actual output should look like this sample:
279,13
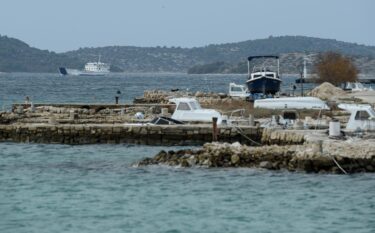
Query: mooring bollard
214,129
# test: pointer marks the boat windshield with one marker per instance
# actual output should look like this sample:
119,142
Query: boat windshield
195,105
237,89
183,106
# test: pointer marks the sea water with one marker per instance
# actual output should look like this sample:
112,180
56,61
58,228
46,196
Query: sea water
96,188
53,88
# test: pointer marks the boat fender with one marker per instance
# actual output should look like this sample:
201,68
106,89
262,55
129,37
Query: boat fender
139,115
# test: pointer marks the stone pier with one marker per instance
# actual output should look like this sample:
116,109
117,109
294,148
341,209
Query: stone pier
126,133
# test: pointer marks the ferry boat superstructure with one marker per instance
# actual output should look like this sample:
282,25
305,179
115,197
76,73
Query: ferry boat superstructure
263,79
91,69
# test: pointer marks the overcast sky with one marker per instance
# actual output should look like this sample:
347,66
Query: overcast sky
62,25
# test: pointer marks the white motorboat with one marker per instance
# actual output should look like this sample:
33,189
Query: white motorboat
188,109
291,103
362,116
236,90
91,69
356,87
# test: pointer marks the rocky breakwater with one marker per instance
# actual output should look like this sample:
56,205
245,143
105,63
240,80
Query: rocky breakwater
313,157
218,101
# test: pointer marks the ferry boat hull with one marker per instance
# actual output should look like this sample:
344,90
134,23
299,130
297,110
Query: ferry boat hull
73,72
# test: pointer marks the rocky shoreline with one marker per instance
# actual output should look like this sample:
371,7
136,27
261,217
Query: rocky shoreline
332,156
295,148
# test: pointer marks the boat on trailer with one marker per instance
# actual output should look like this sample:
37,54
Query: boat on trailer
265,78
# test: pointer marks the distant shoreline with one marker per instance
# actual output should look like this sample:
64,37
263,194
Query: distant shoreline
360,76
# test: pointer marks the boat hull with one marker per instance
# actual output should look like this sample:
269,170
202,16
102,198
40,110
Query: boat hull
291,103
264,85
73,72
92,74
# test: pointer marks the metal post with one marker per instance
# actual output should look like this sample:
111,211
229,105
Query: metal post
117,96
278,67
248,69
214,129
302,80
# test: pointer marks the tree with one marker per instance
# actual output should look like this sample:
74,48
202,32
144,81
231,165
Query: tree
335,68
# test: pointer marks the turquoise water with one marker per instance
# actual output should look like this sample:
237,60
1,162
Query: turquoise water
94,188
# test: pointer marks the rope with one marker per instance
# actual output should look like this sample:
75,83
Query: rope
242,133
257,143
334,160
338,165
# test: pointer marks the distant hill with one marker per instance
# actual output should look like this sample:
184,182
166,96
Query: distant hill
16,55
230,55
290,63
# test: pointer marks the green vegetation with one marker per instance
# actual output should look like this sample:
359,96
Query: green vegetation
15,55
226,58
217,67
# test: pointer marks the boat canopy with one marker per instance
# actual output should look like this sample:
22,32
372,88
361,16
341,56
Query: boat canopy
265,56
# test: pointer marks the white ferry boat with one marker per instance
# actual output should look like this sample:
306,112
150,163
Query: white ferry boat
91,69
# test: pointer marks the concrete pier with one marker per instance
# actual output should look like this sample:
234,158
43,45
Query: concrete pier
125,133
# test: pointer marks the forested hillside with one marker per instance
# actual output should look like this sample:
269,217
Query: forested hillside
290,63
226,57
17,56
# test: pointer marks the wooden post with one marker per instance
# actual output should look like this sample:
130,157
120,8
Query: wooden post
214,129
